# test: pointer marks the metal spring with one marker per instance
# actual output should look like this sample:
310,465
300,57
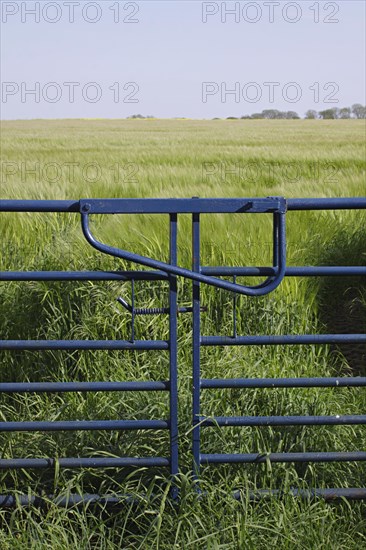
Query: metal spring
151,310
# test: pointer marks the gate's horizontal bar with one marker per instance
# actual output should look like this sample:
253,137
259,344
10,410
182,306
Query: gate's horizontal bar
9,501
75,425
326,494
342,382
338,420
321,271
306,271
83,275
39,387
327,204
39,206
288,339
183,206
96,462
250,458
83,344
149,206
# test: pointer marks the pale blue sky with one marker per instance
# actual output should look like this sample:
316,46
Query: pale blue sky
169,53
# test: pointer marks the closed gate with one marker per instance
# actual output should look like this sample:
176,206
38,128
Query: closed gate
169,272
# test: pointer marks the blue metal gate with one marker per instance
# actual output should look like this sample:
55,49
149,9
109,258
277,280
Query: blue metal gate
169,272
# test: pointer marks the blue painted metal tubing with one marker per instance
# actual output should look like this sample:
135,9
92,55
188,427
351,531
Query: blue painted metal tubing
327,204
339,420
306,271
260,290
225,383
75,425
289,339
254,458
83,275
173,355
74,206
194,205
83,344
275,205
325,494
298,271
96,462
41,387
39,206
148,206
9,501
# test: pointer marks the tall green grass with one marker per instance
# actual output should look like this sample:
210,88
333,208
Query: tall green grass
167,159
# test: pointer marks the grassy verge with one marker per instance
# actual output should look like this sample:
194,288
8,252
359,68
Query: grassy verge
163,158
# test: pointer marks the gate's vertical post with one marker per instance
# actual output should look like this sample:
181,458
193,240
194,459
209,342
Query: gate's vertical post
234,310
275,246
196,343
132,310
173,370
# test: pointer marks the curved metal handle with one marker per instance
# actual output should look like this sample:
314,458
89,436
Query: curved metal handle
260,290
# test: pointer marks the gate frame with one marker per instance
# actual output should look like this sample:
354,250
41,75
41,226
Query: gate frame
169,272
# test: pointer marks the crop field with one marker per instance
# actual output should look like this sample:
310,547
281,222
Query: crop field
72,159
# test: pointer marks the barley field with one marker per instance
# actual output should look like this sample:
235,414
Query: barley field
73,159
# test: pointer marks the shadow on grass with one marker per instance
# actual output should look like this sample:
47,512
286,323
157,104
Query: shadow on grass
342,300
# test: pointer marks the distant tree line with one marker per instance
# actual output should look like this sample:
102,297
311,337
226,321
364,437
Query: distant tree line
273,113
356,111
141,116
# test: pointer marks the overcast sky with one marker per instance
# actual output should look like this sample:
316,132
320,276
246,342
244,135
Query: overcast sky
179,58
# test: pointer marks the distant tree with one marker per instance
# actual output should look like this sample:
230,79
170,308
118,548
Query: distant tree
292,115
257,115
231,118
269,113
245,117
275,114
311,114
345,112
327,114
272,114
358,110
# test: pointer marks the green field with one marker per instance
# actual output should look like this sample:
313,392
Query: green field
72,159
